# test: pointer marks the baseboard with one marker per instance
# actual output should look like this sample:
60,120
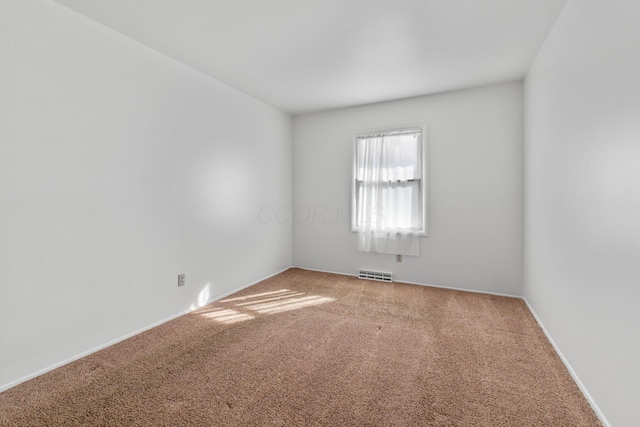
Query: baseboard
573,374
475,291
127,336
88,352
326,271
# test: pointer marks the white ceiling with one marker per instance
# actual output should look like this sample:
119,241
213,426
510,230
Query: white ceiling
309,55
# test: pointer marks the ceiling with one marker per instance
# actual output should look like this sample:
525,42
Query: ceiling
308,55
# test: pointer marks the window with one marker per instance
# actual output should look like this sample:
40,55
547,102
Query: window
389,190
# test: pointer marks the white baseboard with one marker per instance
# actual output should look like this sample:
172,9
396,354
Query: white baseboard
326,271
117,340
87,353
573,374
475,291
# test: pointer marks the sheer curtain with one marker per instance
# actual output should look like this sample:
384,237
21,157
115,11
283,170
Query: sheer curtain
388,193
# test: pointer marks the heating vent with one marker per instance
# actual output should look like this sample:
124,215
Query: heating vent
375,275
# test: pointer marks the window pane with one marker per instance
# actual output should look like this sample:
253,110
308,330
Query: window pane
388,189
401,206
400,158
393,206
392,157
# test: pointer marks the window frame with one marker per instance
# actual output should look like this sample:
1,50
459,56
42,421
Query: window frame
422,129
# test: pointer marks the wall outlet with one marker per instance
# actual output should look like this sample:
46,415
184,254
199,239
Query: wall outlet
398,258
181,279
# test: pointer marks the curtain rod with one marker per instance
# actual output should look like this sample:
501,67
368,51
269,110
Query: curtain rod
402,132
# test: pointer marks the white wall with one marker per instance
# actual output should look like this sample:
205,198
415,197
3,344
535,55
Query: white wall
475,189
119,169
582,207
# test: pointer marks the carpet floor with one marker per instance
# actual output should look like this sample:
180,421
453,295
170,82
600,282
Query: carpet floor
316,349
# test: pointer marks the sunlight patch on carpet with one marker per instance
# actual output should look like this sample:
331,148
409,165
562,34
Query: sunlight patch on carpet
315,300
246,307
254,296
260,301
298,302
228,316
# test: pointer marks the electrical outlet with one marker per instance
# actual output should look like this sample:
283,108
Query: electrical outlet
181,280
398,258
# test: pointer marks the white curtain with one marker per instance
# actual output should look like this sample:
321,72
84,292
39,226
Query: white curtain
389,205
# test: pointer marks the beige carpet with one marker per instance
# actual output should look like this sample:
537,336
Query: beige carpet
314,349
